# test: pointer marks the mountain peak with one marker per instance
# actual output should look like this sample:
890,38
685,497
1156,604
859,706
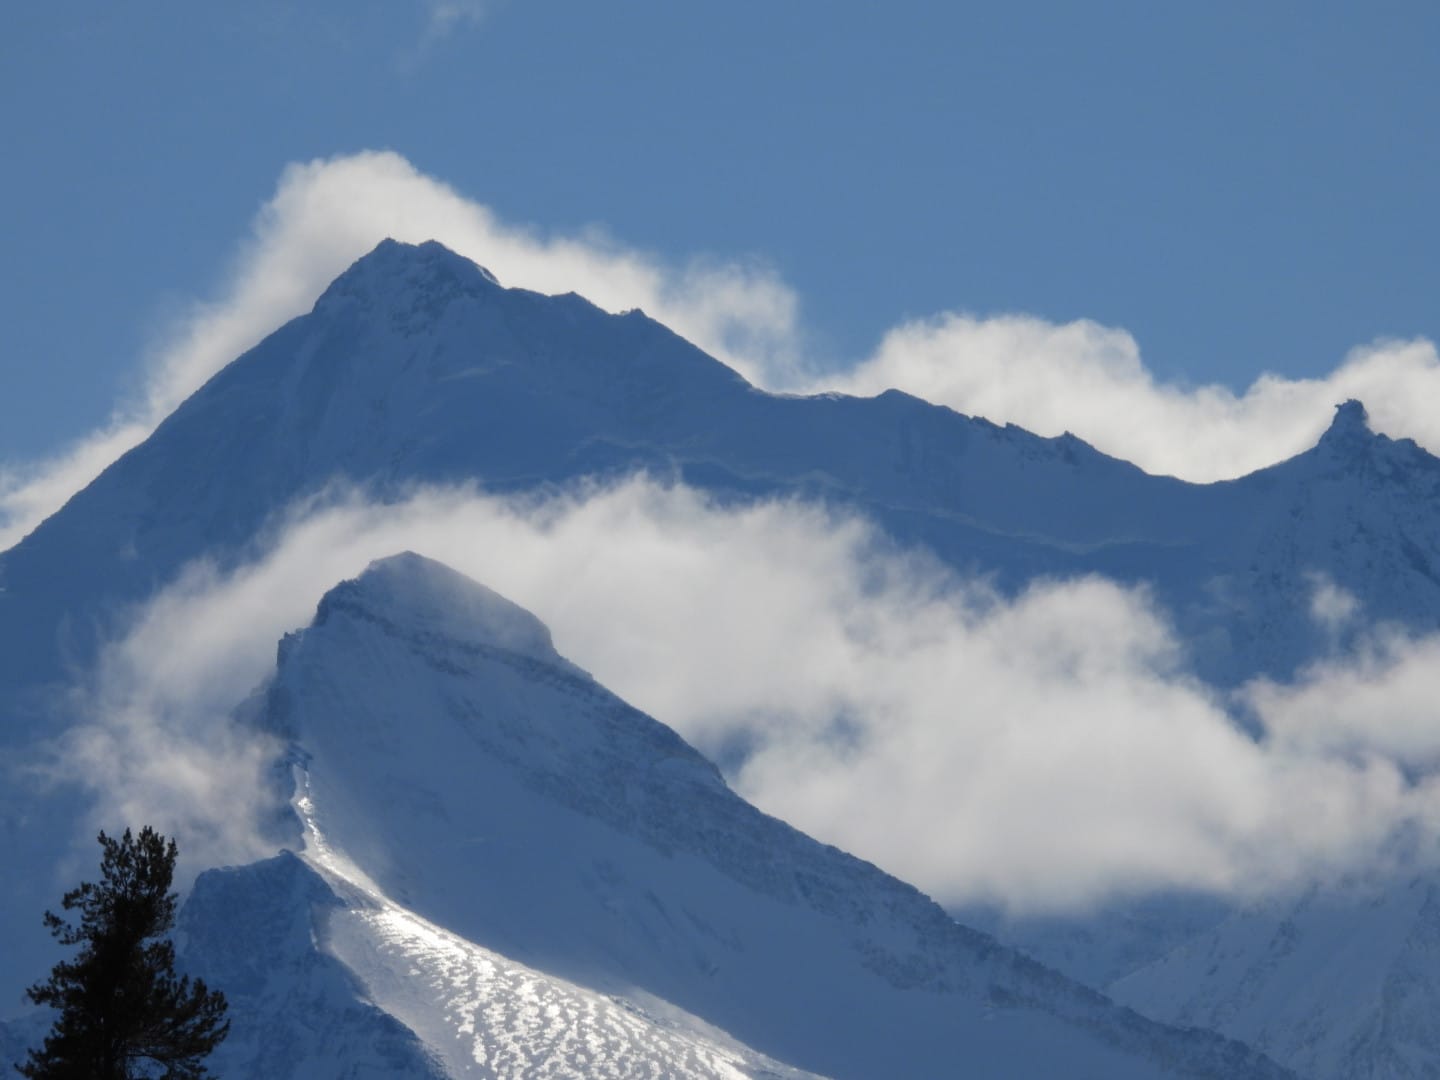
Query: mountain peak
392,269
1350,429
392,255
423,598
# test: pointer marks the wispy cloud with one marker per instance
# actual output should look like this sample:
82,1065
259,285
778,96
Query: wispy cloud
447,16
444,20
32,491
1046,753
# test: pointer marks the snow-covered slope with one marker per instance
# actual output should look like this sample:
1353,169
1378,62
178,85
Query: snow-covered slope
295,1011
307,956
487,812
1100,947
1340,984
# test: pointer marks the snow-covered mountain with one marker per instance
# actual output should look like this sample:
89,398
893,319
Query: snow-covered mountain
416,366
590,899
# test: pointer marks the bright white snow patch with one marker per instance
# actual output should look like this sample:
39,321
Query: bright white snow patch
488,1016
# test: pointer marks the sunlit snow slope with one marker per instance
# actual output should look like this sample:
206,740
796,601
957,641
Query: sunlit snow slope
327,978
484,813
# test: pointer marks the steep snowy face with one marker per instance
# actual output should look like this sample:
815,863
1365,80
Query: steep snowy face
259,932
459,774
327,979
1339,984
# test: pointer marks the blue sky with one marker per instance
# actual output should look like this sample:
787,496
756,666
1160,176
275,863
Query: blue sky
1243,187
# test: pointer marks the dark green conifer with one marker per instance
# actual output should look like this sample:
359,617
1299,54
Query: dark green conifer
123,1013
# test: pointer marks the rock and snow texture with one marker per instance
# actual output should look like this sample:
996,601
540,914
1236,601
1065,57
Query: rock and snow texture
496,814
1099,947
487,1016
1339,984
325,978
295,1011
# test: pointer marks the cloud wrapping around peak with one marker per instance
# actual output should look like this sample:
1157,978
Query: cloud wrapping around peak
1090,380
1047,753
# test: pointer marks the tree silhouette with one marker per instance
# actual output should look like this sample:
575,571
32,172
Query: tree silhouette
123,1012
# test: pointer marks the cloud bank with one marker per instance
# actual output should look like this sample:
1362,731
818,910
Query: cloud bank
1043,754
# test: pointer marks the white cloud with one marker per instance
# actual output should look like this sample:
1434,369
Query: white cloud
1331,606
32,492
443,20
1042,754
1090,380
1380,700
446,16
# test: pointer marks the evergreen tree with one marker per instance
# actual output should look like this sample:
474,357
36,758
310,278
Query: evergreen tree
123,1012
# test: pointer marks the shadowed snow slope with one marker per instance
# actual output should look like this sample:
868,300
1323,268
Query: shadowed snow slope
474,791
1339,984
